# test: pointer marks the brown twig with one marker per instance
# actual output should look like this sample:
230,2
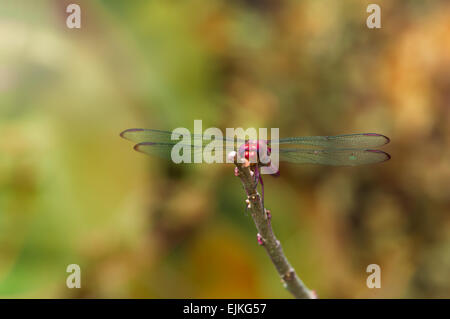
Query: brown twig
267,238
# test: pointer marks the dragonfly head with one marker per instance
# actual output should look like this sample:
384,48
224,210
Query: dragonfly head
256,152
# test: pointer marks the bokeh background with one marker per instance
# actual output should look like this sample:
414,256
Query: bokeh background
73,191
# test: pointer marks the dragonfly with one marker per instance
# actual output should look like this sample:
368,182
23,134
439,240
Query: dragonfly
339,150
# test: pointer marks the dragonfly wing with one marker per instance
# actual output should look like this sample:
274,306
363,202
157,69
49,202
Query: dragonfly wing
172,150
335,157
140,135
159,149
363,140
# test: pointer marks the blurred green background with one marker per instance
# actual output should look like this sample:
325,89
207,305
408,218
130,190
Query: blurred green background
73,191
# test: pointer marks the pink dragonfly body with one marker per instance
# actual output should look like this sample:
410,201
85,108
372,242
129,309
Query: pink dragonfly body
253,150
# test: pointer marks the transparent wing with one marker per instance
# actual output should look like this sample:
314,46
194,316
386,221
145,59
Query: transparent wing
164,150
336,157
363,140
140,135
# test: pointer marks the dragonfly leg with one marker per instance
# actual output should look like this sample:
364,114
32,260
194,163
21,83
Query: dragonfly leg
257,174
258,179
262,187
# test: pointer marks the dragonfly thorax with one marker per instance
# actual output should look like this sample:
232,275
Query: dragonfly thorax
256,152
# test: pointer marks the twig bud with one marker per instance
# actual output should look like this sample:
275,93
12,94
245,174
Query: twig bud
260,239
232,156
